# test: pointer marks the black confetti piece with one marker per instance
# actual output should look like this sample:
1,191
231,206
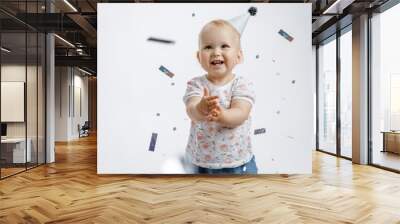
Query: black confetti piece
253,11
159,40
153,142
259,131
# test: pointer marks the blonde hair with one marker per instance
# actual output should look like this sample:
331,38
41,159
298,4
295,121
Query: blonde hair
221,23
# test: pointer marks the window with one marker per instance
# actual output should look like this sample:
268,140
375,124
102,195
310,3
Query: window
327,97
385,89
346,75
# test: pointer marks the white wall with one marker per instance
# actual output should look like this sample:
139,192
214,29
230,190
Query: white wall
68,83
131,90
61,103
79,117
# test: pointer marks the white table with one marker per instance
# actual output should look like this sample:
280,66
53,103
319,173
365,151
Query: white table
18,149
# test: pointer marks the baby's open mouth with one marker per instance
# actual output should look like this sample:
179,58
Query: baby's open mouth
217,62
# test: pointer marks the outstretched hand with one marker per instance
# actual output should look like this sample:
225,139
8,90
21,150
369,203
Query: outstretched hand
215,113
207,103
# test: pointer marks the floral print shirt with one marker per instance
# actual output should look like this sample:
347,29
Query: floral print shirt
211,145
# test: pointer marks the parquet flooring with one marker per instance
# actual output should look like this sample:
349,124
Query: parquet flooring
70,191
10,171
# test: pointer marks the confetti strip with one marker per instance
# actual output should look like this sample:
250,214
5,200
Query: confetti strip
285,35
166,71
153,142
159,40
253,11
259,131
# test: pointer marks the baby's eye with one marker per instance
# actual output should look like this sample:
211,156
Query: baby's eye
207,47
225,46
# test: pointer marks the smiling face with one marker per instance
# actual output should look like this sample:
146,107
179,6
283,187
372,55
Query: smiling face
219,49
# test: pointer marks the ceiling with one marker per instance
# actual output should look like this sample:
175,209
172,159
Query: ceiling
77,22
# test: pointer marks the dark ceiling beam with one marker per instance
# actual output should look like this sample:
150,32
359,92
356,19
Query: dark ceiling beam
383,6
55,22
354,10
86,51
321,22
11,25
49,22
86,26
84,61
329,13
9,15
91,5
332,29
337,7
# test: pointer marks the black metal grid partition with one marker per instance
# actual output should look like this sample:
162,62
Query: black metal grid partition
23,88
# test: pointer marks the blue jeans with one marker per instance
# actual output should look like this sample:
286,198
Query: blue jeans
247,168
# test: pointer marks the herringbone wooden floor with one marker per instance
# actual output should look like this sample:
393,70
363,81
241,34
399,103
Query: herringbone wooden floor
70,191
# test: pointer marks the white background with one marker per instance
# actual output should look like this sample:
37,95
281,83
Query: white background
131,89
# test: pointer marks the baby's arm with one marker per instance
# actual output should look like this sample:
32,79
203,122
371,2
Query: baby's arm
192,109
198,108
232,117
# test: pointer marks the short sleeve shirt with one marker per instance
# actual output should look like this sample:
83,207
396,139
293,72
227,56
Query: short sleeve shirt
211,145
